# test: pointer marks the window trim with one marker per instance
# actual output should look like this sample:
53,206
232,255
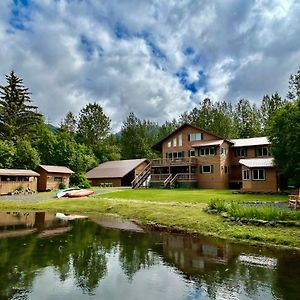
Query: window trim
211,169
248,174
259,179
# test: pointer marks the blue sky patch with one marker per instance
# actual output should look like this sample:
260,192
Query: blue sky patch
20,14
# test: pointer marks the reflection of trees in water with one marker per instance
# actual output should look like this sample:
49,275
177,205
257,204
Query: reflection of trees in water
135,254
82,253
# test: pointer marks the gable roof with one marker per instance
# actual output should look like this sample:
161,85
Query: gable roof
114,169
158,146
257,162
256,141
56,169
18,172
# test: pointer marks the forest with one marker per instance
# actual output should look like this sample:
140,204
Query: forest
83,141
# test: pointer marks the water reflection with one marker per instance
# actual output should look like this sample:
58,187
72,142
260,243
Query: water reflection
92,261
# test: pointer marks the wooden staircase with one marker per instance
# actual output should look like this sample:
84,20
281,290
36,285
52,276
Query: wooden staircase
142,177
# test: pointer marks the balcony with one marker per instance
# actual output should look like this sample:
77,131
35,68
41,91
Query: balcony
166,162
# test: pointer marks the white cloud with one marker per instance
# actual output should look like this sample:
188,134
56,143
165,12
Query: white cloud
70,54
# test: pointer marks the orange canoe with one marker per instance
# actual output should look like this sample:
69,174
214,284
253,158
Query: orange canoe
79,193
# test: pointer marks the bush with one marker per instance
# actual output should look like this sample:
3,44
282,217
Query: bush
62,186
80,180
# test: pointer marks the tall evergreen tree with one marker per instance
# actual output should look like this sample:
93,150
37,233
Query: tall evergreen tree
69,123
17,115
294,86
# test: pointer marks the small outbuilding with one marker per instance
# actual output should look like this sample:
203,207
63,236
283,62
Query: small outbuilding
52,176
17,179
117,172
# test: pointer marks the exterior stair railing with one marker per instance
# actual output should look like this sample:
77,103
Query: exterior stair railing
167,181
142,177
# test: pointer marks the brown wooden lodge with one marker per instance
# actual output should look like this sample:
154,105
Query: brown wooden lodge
193,157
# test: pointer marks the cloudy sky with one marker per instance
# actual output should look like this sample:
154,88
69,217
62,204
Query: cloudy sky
157,58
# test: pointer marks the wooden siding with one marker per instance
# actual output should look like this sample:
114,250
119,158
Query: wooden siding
7,187
114,181
270,183
46,180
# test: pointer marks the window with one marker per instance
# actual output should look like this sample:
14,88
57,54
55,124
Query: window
207,169
261,151
224,151
58,179
195,137
180,140
208,151
246,175
226,170
241,152
174,142
191,153
258,174
169,144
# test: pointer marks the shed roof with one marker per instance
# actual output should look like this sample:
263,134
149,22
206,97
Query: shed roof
208,143
256,141
114,169
257,162
56,169
18,172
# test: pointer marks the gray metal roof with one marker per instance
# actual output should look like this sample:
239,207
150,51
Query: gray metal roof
257,162
56,169
114,169
256,141
18,172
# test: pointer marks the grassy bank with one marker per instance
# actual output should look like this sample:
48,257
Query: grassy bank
185,214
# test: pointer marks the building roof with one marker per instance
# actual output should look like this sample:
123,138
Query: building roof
18,172
114,169
256,141
158,146
207,143
56,169
257,162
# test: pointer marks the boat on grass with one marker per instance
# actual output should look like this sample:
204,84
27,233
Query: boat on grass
79,193
62,193
69,217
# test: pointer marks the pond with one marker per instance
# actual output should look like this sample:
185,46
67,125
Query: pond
45,257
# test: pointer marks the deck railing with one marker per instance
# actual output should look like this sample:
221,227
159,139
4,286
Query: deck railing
159,177
183,161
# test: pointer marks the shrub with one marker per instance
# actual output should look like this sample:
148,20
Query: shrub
80,180
62,186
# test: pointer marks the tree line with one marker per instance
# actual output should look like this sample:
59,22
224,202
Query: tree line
82,141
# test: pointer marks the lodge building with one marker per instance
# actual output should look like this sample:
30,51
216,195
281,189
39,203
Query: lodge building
193,157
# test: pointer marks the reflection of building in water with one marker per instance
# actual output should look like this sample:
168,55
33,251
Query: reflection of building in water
22,223
194,253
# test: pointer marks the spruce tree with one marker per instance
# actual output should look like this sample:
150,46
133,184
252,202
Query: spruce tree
17,115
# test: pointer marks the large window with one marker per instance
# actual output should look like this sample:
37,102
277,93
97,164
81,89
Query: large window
246,175
241,152
174,142
175,155
261,151
207,169
180,140
258,174
207,151
195,137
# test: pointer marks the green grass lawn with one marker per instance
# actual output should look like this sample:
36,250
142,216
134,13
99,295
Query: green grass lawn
181,209
189,195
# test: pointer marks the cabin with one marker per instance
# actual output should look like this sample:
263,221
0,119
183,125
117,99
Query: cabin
193,157
17,179
117,173
52,176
